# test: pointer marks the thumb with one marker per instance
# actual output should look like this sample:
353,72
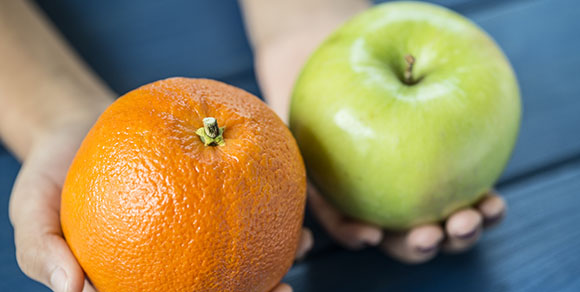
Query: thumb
41,251
282,288
47,259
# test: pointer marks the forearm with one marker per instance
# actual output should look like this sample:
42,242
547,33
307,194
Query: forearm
42,83
284,33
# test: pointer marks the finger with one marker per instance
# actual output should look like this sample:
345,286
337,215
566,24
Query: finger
306,242
417,245
88,287
283,287
463,229
493,208
41,252
349,232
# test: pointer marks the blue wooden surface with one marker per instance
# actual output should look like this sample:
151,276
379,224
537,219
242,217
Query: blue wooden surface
536,249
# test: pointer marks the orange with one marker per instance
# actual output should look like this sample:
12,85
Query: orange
147,206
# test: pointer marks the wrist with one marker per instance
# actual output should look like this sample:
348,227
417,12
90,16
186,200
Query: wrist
30,130
78,116
267,20
284,37
278,62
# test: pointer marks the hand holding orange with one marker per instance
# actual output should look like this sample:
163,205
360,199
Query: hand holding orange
151,205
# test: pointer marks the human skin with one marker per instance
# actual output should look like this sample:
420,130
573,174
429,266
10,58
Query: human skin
49,100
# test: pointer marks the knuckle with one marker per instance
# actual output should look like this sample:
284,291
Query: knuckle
28,259
30,256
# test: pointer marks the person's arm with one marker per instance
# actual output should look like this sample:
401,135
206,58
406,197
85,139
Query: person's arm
42,82
283,35
48,102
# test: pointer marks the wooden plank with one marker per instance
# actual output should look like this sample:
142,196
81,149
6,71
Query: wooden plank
537,248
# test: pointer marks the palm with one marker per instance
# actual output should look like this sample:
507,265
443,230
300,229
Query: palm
458,233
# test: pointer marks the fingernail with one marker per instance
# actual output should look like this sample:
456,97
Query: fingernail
426,249
467,235
58,281
300,256
373,239
493,219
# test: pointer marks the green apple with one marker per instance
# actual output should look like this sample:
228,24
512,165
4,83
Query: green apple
405,114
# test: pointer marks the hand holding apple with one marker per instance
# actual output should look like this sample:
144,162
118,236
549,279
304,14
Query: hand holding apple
418,244
405,115
278,62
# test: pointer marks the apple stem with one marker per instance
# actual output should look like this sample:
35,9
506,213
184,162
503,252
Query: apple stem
409,70
210,134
